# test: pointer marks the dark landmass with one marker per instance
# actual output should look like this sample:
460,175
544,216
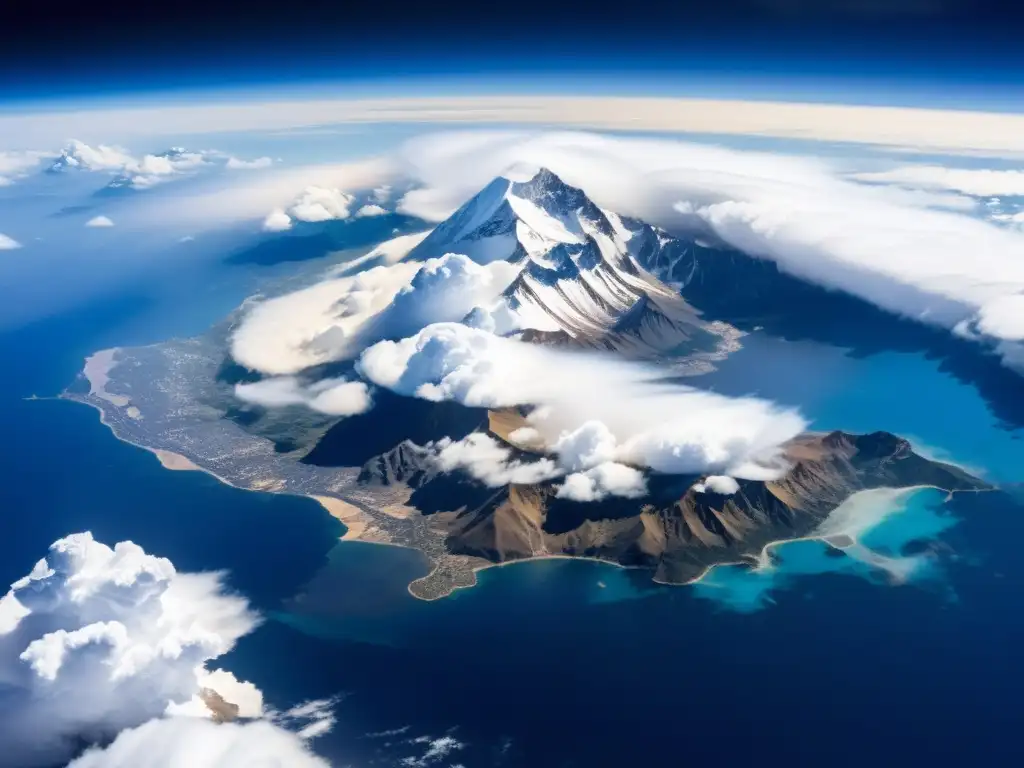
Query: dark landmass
353,441
663,297
675,531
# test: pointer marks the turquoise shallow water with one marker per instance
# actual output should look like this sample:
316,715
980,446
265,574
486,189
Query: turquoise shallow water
925,586
908,394
566,663
890,524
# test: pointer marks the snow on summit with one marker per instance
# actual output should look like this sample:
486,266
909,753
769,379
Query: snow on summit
526,255
579,271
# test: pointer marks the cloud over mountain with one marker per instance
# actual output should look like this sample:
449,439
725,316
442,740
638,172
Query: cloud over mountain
142,172
132,172
915,253
607,479
590,409
101,157
722,484
95,640
980,182
335,397
491,463
337,318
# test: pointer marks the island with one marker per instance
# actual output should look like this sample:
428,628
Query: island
590,279
461,526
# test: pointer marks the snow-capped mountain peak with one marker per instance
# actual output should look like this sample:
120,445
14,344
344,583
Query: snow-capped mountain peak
578,276
535,211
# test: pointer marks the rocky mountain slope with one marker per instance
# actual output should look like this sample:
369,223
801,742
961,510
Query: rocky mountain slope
678,531
580,280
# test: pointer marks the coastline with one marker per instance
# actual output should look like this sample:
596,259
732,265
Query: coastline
353,518
759,562
349,515
97,370
356,526
360,526
174,461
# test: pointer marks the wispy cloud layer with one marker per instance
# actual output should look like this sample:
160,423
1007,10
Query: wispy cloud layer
237,164
145,171
337,318
136,172
913,253
883,126
238,197
980,182
14,165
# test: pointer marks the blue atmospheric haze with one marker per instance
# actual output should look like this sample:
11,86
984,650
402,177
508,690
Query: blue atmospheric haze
818,659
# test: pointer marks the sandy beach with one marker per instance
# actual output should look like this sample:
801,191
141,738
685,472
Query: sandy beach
97,371
175,461
359,525
354,519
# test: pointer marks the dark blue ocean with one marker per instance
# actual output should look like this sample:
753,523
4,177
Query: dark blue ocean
821,661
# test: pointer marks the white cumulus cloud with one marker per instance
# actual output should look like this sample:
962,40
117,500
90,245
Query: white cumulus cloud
321,204
95,640
979,182
142,172
445,288
237,164
491,463
315,204
370,210
8,243
335,397
277,221
643,422
917,253
608,479
99,221
78,154
136,172
315,325
722,484
177,742
382,194
337,318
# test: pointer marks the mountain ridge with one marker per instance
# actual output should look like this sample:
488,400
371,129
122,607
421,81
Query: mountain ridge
579,277
678,531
